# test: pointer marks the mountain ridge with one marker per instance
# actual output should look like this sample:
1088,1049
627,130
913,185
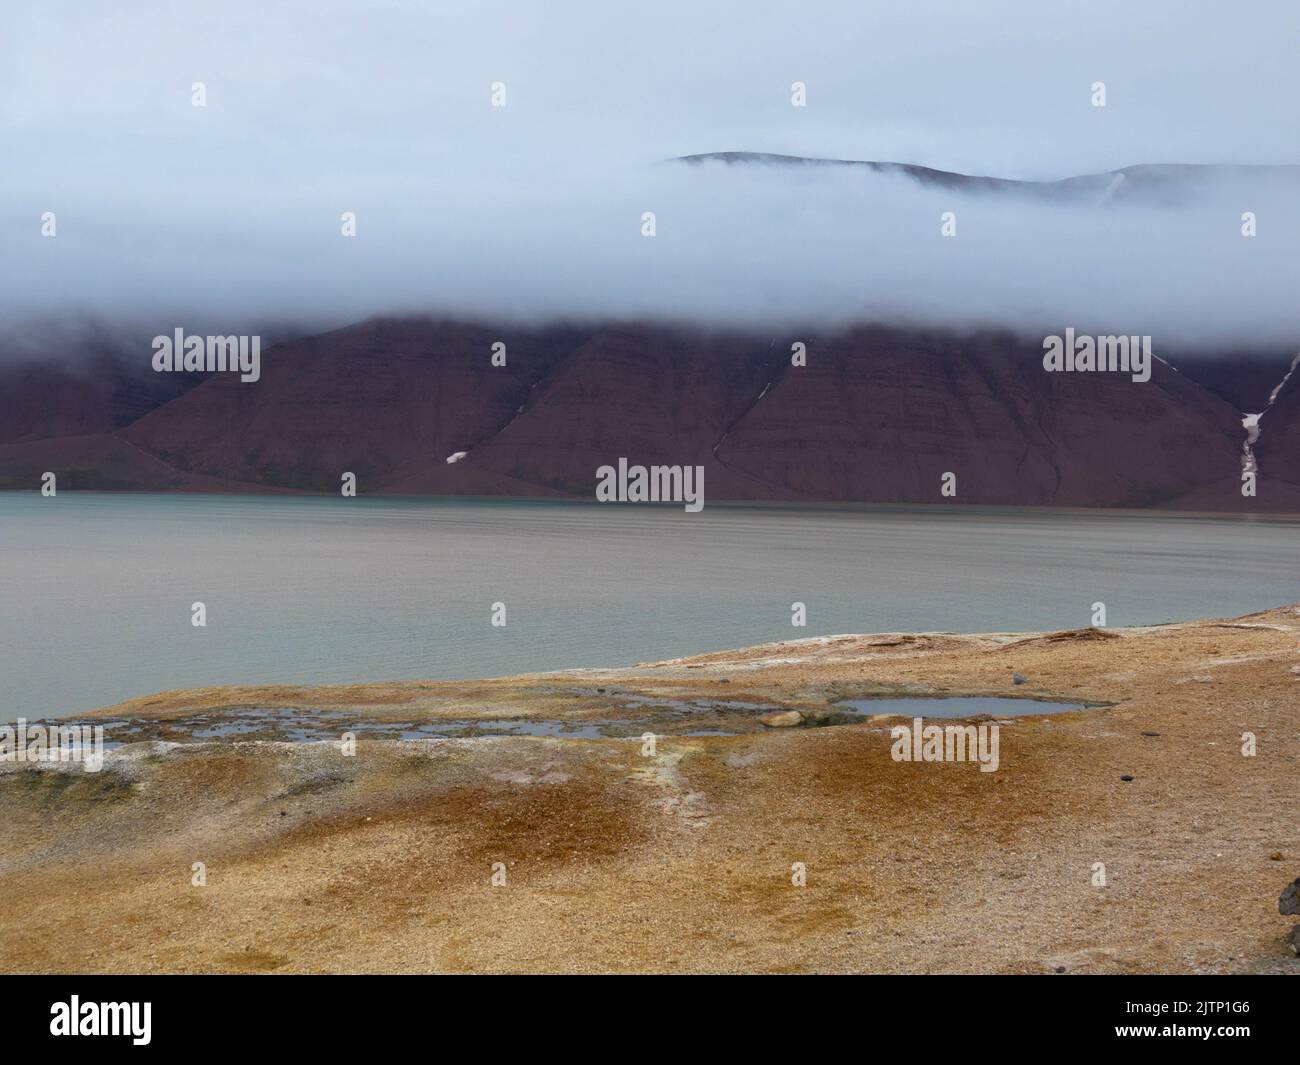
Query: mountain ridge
877,415
1160,181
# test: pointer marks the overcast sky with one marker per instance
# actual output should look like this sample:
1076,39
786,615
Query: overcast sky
384,109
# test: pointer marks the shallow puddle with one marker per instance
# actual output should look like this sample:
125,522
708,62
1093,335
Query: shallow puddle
954,706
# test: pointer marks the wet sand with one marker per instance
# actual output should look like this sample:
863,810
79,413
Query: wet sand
616,860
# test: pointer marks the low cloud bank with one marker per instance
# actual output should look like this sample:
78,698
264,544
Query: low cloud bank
499,158
753,245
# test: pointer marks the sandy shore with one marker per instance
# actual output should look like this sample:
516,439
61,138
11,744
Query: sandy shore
616,860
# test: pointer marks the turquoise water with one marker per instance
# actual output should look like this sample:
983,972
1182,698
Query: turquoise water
96,588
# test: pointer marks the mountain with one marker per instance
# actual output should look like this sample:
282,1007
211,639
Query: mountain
1165,183
876,415
82,384
1278,449
415,405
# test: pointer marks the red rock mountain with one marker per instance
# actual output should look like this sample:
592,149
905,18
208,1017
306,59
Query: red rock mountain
876,415
1278,449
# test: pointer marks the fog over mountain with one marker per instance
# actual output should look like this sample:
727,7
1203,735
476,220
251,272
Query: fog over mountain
230,213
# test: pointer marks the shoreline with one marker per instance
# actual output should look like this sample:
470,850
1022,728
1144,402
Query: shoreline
254,491
616,861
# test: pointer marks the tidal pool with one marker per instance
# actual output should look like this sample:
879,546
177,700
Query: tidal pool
954,706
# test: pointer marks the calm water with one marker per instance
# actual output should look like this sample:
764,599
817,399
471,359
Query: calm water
95,589
958,706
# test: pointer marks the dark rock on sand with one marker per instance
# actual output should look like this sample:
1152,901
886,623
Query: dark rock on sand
1289,901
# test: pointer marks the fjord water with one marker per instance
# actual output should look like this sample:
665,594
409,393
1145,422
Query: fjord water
96,588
